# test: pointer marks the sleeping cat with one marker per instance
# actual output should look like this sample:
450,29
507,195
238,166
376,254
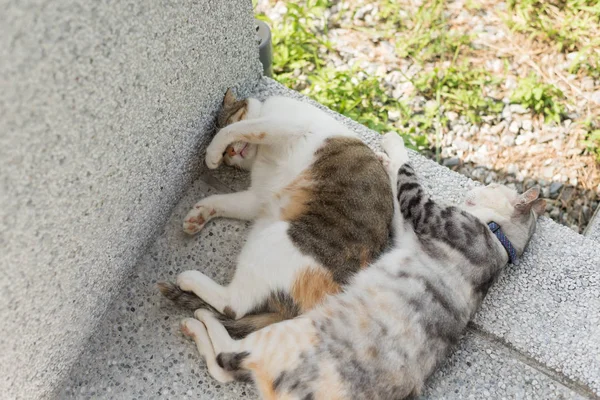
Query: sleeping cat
396,320
322,204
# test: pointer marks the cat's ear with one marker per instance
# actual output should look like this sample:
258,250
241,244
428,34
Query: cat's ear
529,196
539,206
229,99
527,199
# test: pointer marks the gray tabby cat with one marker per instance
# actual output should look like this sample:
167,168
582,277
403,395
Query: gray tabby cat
395,321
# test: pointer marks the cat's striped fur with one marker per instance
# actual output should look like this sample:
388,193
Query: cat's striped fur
396,320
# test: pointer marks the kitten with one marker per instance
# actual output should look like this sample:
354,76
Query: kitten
322,204
395,321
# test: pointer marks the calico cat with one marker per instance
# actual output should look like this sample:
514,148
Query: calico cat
396,320
322,207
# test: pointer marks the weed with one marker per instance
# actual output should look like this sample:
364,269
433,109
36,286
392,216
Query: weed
361,98
299,39
569,25
460,89
592,142
539,97
425,35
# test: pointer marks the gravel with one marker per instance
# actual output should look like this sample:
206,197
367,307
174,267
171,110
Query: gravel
514,147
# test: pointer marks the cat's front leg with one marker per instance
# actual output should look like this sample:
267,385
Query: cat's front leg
393,145
261,131
242,205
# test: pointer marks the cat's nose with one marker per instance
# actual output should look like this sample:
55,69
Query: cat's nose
230,151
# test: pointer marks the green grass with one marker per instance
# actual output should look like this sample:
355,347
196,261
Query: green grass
567,25
460,89
425,36
571,26
299,40
593,143
539,97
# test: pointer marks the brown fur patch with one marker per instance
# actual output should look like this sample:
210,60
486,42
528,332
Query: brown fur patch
299,194
363,324
232,111
311,286
228,312
341,213
253,137
263,381
373,352
365,257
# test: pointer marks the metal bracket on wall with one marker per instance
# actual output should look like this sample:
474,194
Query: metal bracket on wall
265,47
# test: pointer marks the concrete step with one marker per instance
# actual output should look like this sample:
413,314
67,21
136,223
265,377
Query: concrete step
537,335
103,108
593,228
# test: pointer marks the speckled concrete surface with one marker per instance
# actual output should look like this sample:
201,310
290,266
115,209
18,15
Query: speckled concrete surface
139,353
482,369
549,306
103,106
539,326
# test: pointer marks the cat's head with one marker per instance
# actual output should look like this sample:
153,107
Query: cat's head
515,213
239,154
233,110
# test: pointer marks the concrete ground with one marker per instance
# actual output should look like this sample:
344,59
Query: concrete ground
537,335
103,108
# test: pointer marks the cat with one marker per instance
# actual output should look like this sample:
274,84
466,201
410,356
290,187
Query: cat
322,207
396,320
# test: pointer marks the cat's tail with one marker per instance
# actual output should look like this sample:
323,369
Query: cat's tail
183,299
240,328
237,328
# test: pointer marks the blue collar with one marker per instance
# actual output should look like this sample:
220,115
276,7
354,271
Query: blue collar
512,253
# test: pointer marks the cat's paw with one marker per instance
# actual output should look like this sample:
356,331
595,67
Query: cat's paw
393,145
202,314
213,158
383,158
191,327
188,280
216,148
197,217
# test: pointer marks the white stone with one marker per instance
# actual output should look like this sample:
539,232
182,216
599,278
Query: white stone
514,127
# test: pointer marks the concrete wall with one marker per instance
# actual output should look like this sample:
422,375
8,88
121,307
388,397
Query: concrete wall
103,109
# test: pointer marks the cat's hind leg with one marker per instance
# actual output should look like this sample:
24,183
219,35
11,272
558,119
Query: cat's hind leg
241,205
222,353
268,263
197,332
211,292
245,292
268,354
